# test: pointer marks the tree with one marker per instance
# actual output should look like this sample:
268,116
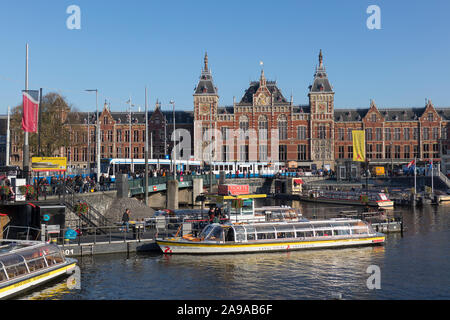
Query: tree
54,132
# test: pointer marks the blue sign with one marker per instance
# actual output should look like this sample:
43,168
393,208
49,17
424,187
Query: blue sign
167,156
46,217
70,234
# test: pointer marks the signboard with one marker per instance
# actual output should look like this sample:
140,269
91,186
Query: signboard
52,229
297,185
379,171
17,183
49,164
292,164
234,190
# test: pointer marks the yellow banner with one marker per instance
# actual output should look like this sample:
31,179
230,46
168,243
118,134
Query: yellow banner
49,164
359,145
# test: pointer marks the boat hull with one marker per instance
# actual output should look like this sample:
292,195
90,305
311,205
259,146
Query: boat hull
379,204
21,285
187,247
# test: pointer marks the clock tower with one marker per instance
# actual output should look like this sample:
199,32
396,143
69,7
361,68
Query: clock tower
321,101
206,102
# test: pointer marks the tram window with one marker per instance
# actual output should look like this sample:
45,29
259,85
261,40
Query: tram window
250,236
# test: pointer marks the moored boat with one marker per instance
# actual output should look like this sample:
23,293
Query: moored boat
373,199
282,236
27,264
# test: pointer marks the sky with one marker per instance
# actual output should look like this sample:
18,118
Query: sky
124,46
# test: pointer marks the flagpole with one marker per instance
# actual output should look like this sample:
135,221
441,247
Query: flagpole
8,138
146,150
415,176
432,182
26,150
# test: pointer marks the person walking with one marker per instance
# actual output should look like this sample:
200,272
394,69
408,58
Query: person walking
126,219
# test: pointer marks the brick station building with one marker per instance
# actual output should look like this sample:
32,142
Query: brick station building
315,135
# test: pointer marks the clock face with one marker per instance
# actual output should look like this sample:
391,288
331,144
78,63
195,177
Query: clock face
262,100
322,107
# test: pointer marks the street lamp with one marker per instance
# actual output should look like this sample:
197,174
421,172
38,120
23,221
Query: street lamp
97,128
130,154
174,141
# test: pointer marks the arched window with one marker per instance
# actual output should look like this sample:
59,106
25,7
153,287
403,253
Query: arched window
282,127
243,127
263,126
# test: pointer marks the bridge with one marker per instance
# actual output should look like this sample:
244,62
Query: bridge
158,184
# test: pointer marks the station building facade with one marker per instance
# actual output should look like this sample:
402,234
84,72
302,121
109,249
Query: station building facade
264,126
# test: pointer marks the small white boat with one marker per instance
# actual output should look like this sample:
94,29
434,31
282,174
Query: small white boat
282,236
27,264
373,199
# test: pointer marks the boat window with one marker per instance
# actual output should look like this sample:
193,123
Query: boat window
251,235
285,235
229,234
266,235
341,232
265,228
206,231
216,234
3,275
304,234
240,233
284,228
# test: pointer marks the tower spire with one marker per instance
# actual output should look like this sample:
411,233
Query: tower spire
206,61
320,59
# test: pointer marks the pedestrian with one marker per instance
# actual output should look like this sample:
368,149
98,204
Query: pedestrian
126,219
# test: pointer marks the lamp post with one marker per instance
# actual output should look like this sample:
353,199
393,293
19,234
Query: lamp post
174,141
97,128
130,154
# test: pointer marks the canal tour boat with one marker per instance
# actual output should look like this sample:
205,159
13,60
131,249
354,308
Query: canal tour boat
242,209
27,264
282,236
373,199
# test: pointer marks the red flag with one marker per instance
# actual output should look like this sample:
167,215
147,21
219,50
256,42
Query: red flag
411,163
30,110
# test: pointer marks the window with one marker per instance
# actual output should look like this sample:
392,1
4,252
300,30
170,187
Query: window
378,134
341,152
282,152
341,134
379,151
406,134
436,150
426,133
373,117
136,136
369,134
350,152
118,152
397,134
430,116
388,152
262,128
243,154
322,132
416,133
435,133
262,152
301,133
301,151
397,152
110,136
387,134
369,151
349,134
105,120
406,152
282,127
426,151
416,151
224,131
444,133
127,136
243,126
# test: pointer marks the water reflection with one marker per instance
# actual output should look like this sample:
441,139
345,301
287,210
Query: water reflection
414,266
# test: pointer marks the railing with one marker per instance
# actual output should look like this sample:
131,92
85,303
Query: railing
153,181
93,217
20,233
444,179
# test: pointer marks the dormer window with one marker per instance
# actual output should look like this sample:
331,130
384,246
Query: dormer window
105,120
373,117
430,116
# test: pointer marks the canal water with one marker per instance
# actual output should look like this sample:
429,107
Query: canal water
415,266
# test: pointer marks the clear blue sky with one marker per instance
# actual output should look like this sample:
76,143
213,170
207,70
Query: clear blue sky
124,46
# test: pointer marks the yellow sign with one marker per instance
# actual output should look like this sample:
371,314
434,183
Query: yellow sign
359,146
49,164
379,171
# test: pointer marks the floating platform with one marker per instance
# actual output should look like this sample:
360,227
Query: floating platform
90,249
